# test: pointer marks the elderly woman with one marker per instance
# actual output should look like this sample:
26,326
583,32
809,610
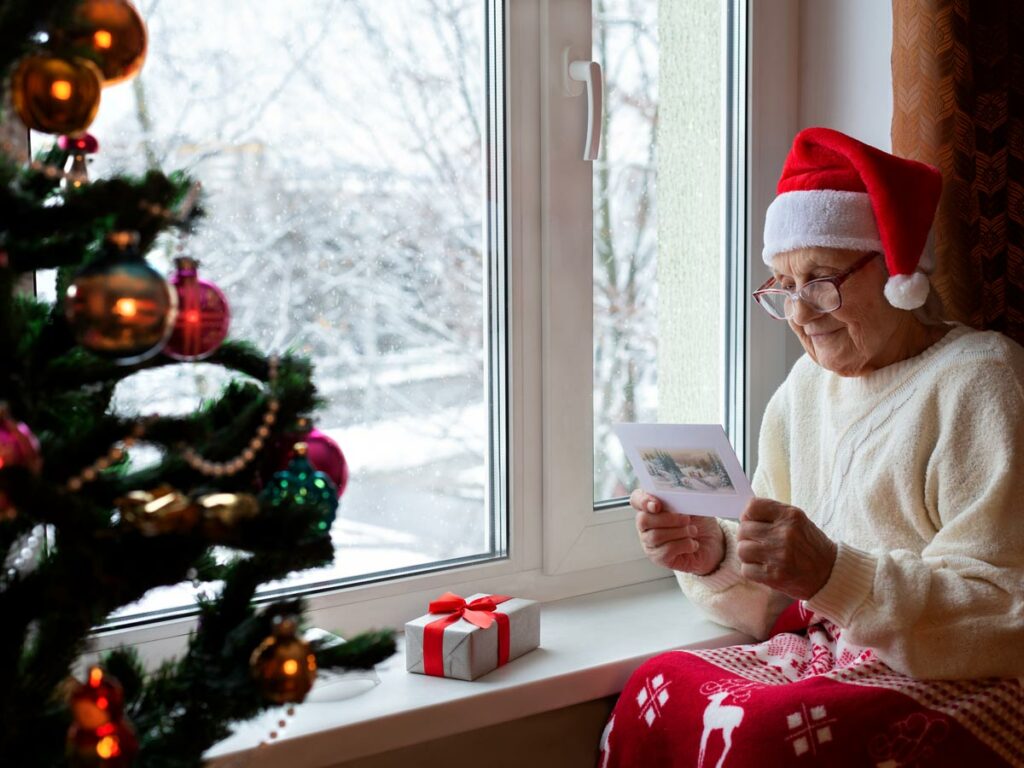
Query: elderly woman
883,556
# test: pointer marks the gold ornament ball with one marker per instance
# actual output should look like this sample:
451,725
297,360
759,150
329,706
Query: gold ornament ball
56,95
221,513
122,309
162,510
283,665
116,33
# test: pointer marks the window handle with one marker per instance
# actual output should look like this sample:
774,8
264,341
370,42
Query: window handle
588,72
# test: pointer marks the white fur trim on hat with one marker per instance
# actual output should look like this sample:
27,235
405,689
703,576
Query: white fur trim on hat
907,291
826,218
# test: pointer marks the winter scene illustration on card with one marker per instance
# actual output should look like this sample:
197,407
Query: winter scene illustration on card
692,468
700,469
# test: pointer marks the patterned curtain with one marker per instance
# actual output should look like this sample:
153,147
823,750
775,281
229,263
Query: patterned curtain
958,88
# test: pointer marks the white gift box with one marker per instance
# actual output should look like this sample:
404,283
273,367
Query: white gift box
469,651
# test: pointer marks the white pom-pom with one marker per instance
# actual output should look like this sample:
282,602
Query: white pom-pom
907,291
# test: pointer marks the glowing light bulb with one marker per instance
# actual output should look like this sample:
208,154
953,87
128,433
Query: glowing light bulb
61,90
191,317
290,667
107,747
102,702
95,676
126,307
102,39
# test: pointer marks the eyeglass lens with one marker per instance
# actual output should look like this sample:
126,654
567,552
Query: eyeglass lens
819,296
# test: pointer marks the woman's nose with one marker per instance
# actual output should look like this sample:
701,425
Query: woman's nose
801,312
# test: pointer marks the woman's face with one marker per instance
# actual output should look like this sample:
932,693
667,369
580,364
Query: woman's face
866,333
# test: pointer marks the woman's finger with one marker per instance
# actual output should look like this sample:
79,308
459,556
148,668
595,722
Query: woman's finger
670,550
751,551
655,537
645,521
759,572
638,499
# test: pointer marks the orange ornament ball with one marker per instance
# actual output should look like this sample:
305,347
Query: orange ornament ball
56,95
115,32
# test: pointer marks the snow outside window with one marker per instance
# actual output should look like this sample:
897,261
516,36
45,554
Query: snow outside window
665,230
342,148
396,188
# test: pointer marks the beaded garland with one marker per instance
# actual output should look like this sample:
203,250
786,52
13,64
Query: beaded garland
191,456
233,466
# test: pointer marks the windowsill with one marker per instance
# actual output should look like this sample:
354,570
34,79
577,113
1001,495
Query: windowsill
589,647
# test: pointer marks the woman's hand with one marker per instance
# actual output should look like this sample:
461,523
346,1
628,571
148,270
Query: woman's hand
692,544
780,547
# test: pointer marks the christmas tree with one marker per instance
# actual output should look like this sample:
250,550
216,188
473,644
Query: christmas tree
85,529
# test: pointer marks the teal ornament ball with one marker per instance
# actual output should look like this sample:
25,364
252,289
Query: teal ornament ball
300,485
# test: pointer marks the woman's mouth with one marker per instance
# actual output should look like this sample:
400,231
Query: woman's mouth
816,335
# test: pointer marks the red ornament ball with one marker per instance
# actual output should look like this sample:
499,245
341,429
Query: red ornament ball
203,315
98,701
112,745
323,453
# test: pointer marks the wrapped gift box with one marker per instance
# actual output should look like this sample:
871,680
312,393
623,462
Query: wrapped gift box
467,638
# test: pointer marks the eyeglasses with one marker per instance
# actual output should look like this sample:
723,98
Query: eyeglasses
821,295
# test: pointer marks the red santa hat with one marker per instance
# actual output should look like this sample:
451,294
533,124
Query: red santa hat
837,192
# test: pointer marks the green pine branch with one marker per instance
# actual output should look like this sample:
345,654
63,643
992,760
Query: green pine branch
96,563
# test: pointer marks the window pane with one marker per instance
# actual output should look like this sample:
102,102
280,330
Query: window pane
340,144
657,223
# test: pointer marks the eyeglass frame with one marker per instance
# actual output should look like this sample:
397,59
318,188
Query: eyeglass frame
836,280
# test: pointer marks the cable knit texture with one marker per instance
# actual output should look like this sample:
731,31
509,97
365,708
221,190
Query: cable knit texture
918,471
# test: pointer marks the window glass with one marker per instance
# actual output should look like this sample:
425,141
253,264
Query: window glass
340,145
658,224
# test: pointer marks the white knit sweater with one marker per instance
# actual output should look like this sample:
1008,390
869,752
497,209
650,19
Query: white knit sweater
917,470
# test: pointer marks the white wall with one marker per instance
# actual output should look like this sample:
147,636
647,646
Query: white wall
845,70
845,75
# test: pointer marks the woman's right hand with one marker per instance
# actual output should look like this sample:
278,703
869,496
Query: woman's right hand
688,543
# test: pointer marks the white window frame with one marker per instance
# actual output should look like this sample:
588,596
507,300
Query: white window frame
558,546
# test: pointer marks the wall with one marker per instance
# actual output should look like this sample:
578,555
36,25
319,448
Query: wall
562,738
689,192
845,75
845,71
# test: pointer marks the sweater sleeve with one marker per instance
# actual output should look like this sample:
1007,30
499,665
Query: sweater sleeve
956,609
725,595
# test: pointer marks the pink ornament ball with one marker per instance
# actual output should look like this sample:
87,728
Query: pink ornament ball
18,448
324,454
203,315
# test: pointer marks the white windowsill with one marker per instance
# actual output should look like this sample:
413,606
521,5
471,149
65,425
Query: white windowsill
589,647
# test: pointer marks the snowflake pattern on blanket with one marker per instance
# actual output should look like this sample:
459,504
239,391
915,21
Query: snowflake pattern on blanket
806,698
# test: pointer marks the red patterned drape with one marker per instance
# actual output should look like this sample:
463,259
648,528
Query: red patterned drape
958,89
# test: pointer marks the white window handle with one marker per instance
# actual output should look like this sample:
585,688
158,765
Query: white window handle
589,72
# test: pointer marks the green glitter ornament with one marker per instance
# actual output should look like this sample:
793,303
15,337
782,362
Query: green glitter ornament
300,485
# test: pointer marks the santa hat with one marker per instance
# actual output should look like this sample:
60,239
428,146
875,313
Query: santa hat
837,192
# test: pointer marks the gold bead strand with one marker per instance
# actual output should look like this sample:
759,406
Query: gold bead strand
235,465
112,456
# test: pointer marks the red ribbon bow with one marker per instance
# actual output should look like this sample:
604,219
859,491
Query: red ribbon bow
480,612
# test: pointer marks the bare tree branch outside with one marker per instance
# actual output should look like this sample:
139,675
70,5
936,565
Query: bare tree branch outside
340,144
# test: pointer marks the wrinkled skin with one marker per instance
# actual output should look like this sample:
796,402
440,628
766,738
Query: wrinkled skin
778,545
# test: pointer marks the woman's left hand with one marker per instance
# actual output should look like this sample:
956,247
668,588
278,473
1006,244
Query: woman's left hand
780,547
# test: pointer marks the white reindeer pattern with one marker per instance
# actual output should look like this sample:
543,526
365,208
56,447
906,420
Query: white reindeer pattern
719,718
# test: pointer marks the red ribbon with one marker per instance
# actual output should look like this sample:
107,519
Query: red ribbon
479,612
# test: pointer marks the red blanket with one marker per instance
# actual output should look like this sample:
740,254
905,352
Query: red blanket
805,697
